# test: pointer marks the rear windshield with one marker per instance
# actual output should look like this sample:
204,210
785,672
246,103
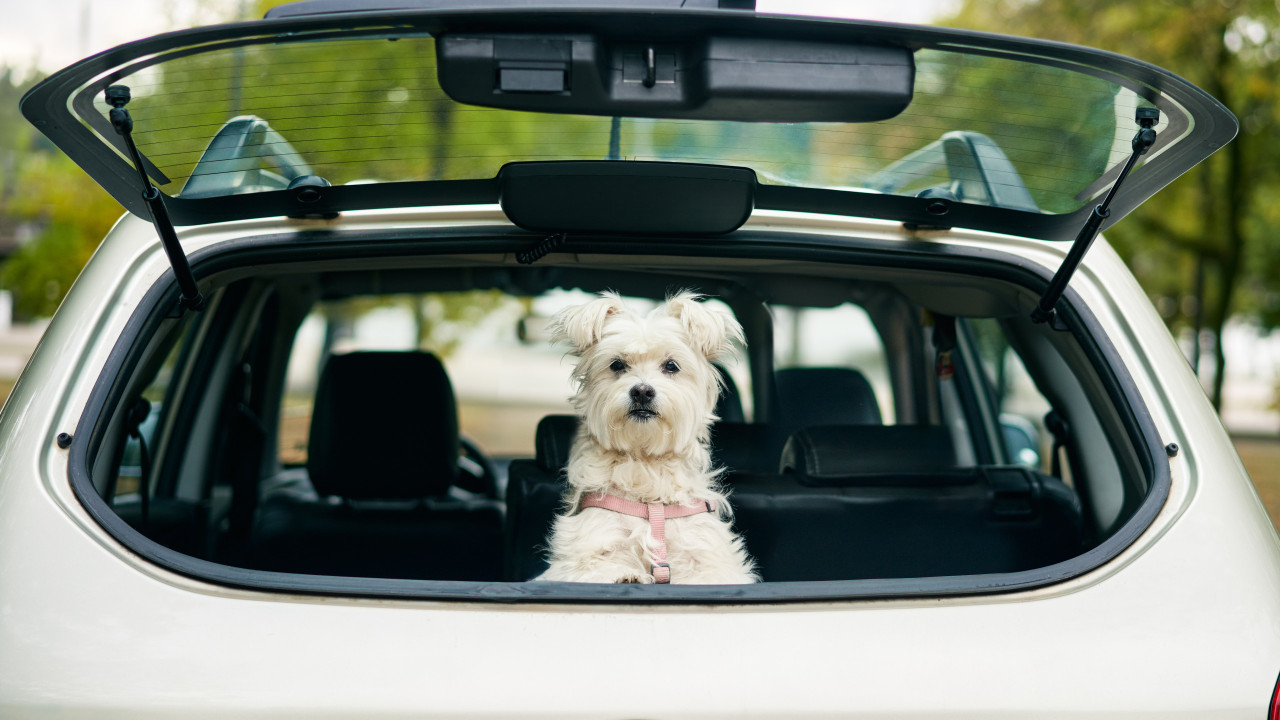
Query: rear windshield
255,117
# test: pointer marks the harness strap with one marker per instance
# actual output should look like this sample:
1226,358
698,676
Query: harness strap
657,514
661,569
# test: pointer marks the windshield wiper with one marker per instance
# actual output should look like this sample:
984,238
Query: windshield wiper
117,97
1146,117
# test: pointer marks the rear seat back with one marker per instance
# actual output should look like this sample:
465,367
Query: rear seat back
534,492
840,455
858,502
812,396
729,401
850,502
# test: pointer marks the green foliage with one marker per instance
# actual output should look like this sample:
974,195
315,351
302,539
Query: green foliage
15,132
40,273
354,110
1204,248
442,320
1229,48
44,193
374,110
1055,125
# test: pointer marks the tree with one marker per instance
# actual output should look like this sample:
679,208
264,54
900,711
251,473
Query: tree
44,192
1230,48
41,189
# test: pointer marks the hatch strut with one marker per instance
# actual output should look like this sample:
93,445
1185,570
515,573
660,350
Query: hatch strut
1146,117
117,97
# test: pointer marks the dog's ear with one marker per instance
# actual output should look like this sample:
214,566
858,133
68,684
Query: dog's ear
583,325
710,332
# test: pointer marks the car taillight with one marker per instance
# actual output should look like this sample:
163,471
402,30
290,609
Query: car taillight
1274,714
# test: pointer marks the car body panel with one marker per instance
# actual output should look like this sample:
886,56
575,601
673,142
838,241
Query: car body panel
1185,621
1174,609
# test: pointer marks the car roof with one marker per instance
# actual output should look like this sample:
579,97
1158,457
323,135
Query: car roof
328,106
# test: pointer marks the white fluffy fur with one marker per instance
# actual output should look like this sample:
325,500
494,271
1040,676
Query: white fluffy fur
659,459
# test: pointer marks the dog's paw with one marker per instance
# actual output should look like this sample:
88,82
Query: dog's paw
629,580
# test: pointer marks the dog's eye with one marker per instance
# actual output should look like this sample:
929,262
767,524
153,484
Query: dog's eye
670,366
617,366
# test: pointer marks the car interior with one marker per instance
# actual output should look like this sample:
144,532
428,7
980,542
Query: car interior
882,421
341,407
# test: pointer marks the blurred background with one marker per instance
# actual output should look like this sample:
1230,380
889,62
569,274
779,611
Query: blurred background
1205,249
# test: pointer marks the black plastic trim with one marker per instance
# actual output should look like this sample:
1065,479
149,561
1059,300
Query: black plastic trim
754,244
46,106
634,197
185,414
984,445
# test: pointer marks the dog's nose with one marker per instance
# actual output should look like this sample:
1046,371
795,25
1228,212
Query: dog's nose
642,394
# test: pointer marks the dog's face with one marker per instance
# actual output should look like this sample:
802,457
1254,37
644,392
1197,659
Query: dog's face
645,383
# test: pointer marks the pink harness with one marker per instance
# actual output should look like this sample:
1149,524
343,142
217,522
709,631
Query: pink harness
657,514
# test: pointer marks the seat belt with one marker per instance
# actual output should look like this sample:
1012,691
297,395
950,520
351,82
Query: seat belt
138,413
1057,427
244,443
944,342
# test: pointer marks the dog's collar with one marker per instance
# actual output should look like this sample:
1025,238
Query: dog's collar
657,514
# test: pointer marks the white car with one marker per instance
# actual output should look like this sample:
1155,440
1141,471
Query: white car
292,443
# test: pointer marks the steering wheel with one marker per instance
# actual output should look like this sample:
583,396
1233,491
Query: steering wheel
475,471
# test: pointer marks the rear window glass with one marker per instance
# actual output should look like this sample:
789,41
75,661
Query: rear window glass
839,337
503,384
505,371
369,110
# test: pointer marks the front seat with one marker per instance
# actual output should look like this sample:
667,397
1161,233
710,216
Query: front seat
383,454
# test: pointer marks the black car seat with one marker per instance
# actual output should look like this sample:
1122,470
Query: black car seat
535,489
729,403
890,501
383,454
824,396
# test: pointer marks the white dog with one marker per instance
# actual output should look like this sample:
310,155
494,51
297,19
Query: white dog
644,504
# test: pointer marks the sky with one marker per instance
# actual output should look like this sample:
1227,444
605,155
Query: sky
51,34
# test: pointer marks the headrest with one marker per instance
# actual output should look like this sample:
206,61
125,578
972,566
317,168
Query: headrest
729,403
812,396
835,455
552,439
385,426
